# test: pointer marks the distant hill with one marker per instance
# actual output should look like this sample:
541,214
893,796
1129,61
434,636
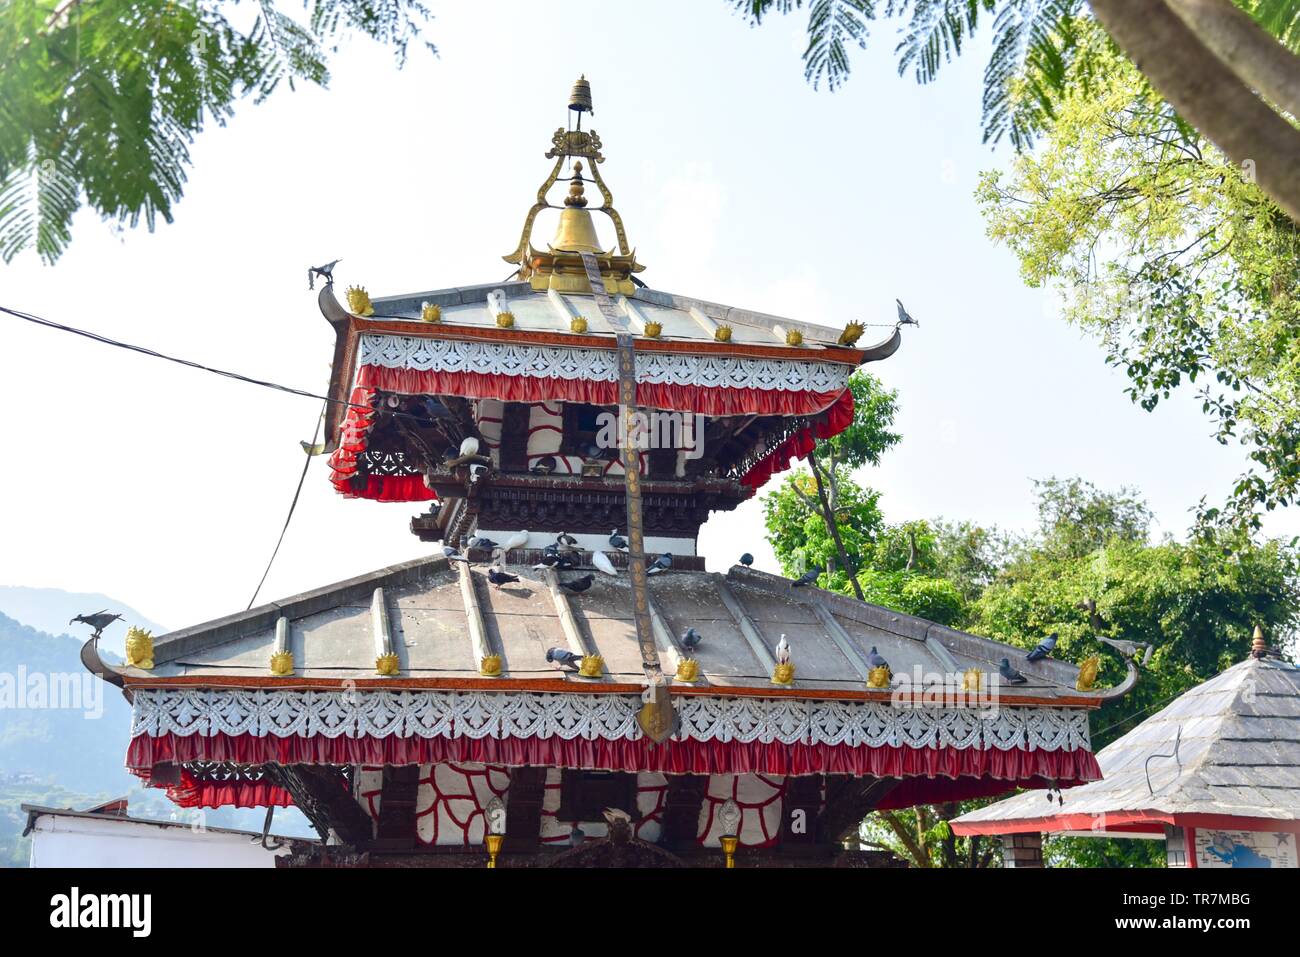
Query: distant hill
63,739
50,609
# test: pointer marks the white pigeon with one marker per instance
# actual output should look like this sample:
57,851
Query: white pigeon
469,447
783,651
603,564
517,540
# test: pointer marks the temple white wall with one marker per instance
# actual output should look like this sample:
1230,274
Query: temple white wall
59,841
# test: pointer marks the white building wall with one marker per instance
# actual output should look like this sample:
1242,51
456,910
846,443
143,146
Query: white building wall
115,842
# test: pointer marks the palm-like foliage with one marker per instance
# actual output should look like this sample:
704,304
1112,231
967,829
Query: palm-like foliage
100,100
1036,47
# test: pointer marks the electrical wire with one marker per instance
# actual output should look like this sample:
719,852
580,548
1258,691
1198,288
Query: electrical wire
292,505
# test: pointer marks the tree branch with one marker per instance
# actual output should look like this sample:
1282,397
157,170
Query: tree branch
1207,93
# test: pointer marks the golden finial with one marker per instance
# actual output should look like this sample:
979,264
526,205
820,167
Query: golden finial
576,196
688,669
852,333
783,673
878,677
139,648
972,679
505,319
722,333
430,312
359,301
1258,646
578,324
387,665
580,97
1088,669
593,666
489,666
794,338
653,330
282,663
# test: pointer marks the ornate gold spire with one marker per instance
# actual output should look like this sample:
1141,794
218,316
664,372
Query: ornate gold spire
560,267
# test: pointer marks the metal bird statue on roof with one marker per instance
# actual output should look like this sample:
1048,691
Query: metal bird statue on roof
326,272
1128,649
98,621
904,318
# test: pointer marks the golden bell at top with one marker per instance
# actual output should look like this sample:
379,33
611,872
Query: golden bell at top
580,98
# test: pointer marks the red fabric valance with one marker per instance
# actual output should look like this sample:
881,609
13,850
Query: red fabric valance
797,446
232,793
674,757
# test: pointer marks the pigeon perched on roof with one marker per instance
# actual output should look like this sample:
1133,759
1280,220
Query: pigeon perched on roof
603,564
453,555
617,541
564,538
691,639
783,651
499,577
544,466
517,540
904,318
1045,648
566,659
469,447
662,563
479,541
807,578
746,559
1010,674
1095,621
876,659
578,585
98,621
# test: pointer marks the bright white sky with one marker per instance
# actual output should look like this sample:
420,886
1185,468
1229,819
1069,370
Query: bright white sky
166,488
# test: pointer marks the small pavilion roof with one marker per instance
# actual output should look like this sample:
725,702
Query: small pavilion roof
1226,749
443,615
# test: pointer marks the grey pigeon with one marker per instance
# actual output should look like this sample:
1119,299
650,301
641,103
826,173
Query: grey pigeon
98,621
904,319
544,466
1045,648
566,659
564,538
807,578
1010,674
498,577
548,559
478,541
452,555
578,584
876,659
326,272
617,541
661,563
746,559
691,639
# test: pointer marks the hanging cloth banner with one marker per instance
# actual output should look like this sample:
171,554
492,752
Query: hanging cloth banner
657,718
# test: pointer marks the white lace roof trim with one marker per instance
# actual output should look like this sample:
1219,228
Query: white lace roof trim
427,714
558,362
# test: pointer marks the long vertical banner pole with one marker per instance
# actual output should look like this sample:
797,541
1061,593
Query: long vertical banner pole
657,718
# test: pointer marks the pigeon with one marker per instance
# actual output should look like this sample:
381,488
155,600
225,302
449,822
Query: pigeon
517,540
876,659
326,272
807,578
565,560
663,562
691,639
746,559
904,319
603,564
469,447
1045,648
452,555
478,541
548,559
499,577
566,659
617,541
564,538
783,651
578,584
1010,674
544,466
1128,649
1095,621
98,621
